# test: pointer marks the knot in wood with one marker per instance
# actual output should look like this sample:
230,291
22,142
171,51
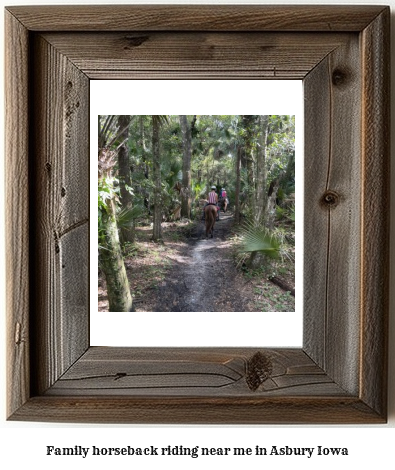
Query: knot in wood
135,41
259,369
339,77
330,199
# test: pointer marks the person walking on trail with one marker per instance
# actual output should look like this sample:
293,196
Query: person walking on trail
212,199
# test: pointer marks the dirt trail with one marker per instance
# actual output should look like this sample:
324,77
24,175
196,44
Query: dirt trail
204,278
195,274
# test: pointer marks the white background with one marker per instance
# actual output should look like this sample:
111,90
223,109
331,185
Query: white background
209,97
24,444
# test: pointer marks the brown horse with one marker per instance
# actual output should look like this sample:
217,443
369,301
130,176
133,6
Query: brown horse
223,203
210,214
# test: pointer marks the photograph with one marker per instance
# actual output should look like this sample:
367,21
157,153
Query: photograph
196,213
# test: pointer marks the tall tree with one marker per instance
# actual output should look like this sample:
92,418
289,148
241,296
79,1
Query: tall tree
248,122
186,166
110,255
261,172
239,150
125,183
142,141
156,170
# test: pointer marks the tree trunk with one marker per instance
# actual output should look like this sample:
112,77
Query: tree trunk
144,152
270,212
261,173
110,255
127,234
290,170
248,123
237,189
186,167
279,282
157,222
112,264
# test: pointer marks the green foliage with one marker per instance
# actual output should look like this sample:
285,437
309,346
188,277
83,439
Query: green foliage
105,191
198,190
127,216
215,140
285,213
269,299
292,214
258,239
161,119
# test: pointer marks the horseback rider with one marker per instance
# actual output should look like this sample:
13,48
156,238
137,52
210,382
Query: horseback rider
212,199
212,196
223,200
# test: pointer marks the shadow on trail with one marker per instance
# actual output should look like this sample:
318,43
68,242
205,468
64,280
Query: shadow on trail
205,279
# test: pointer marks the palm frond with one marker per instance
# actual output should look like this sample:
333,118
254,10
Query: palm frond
160,119
127,215
258,239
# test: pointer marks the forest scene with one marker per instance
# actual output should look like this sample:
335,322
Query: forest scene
196,213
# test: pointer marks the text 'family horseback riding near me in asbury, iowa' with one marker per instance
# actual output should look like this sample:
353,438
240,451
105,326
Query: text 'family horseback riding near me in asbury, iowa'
197,451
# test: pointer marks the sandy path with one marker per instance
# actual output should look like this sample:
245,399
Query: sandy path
204,278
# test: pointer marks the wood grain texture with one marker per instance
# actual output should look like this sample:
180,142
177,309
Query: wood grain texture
17,213
196,17
333,223
198,410
376,211
339,376
192,372
317,115
190,55
60,120
74,282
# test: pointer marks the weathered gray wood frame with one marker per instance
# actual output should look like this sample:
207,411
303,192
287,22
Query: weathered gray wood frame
340,374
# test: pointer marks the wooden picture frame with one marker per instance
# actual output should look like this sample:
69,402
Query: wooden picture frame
340,373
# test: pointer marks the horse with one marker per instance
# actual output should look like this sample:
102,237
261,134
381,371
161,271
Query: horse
224,203
210,215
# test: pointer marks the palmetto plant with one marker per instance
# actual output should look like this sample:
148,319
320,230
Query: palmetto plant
257,239
126,216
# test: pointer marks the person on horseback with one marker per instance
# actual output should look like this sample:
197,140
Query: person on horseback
223,200
212,196
212,199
